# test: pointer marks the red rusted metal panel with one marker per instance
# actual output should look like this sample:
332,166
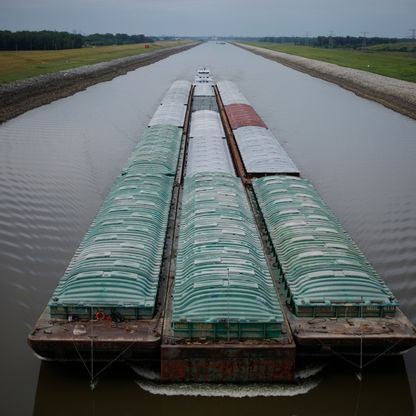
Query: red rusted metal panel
228,363
238,163
242,115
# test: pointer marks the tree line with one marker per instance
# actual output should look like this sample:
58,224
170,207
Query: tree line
47,39
351,42
98,39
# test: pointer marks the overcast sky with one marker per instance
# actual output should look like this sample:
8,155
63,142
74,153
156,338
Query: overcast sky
213,17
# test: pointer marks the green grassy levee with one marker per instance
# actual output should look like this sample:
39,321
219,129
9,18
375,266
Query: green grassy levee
400,65
15,65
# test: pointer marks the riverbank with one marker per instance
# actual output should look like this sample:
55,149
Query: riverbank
17,65
395,94
21,96
392,64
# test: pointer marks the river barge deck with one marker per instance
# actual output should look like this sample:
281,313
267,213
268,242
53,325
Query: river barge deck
198,325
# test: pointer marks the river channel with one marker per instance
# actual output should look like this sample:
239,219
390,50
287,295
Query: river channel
58,162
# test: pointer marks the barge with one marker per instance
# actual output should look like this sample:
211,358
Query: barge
214,259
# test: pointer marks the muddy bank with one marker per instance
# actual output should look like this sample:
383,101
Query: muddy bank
20,96
395,94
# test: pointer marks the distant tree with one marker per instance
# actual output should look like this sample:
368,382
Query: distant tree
46,39
335,42
97,39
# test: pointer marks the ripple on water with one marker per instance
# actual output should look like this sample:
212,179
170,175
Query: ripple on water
307,378
229,390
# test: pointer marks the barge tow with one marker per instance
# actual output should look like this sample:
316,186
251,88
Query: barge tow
214,259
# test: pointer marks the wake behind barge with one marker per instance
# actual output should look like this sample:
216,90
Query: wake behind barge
214,259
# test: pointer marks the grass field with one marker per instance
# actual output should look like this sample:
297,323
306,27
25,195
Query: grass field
395,47
25,64
401,65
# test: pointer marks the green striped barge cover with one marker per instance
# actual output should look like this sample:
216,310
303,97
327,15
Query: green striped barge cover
117,265
223,288
157,151
323,271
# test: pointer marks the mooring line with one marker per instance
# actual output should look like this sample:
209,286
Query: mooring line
81,358
384,352
114,360
357,403
90,373
362,366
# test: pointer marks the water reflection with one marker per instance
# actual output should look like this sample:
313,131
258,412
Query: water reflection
384,390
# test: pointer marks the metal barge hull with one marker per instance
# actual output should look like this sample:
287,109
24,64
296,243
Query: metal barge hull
197,359
61,340
234,362
353,336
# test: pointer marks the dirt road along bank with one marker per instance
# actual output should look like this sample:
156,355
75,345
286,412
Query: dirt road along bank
395,94
20,96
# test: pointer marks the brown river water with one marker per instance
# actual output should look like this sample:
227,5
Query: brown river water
58,162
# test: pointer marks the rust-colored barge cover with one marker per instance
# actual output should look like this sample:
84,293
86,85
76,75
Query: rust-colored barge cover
243,115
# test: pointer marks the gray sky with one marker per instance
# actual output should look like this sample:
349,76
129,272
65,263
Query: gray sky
213,17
